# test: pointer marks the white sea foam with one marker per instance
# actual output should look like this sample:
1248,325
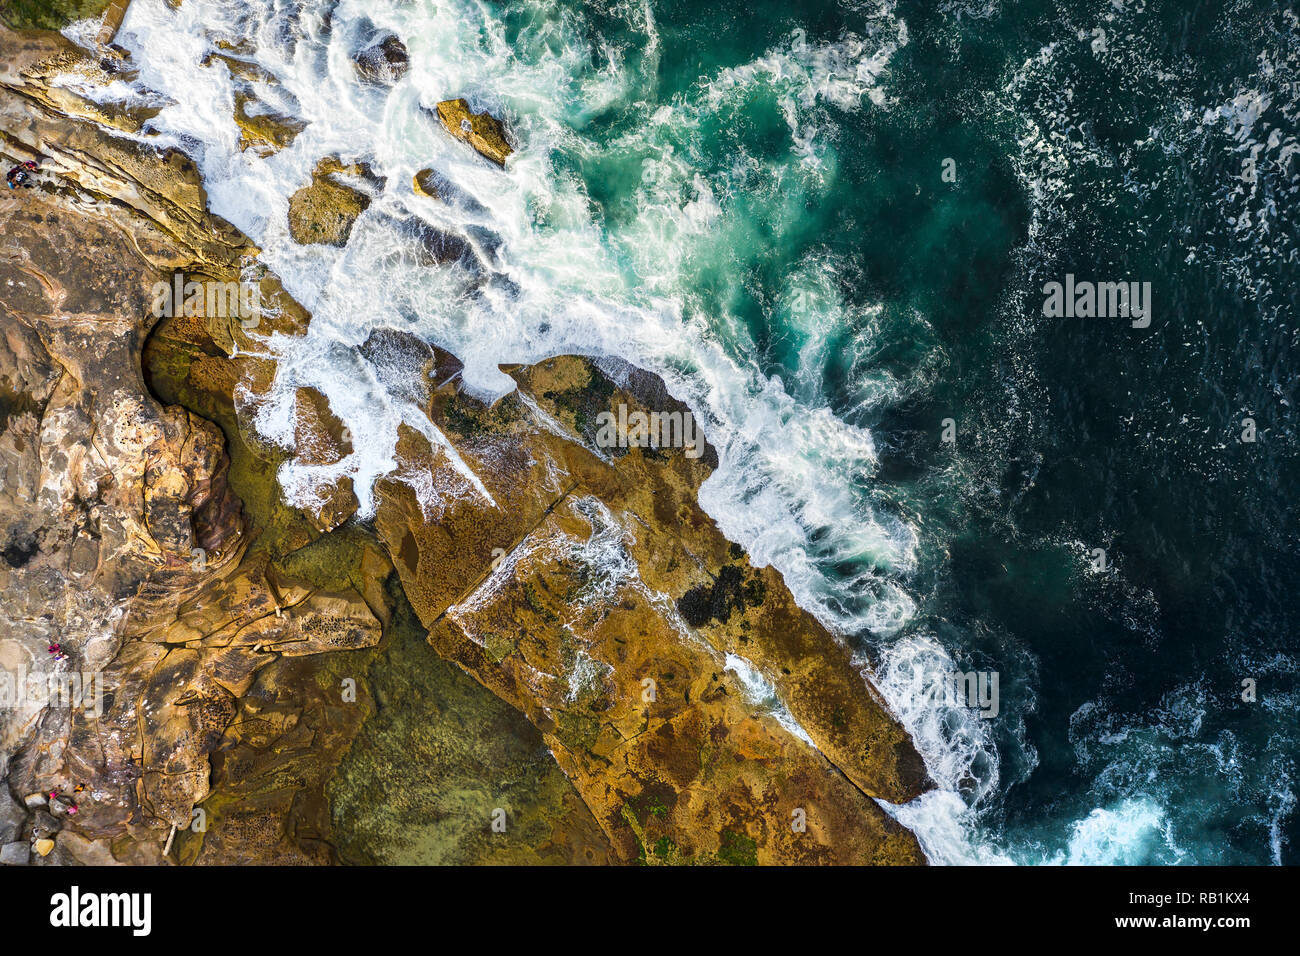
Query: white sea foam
761,692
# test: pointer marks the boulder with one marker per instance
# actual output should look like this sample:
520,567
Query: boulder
481,130
425,184
324,211
263,131
15,854
384,62
12,816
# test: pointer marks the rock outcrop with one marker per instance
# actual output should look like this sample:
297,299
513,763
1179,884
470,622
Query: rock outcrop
483,131
556,586
325,210
126,550
384,62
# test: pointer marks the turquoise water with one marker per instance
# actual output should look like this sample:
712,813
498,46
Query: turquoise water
750,199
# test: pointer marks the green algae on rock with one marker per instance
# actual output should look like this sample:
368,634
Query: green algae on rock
49,14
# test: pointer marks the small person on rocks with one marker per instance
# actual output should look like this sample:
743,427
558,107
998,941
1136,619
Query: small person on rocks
21,175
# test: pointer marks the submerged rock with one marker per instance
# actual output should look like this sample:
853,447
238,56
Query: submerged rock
323,212
384,62
481,130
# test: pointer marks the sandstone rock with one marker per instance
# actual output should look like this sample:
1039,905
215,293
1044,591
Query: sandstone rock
265,132
570,624
384,62
481,130
123,539
113,18
560,576
320,440
425,184
323,212
156,194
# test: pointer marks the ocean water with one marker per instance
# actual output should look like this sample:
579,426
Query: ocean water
750,199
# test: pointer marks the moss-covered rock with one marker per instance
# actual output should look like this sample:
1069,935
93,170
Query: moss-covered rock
49,14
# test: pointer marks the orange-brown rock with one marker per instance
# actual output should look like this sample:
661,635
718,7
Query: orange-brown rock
558,585
483,131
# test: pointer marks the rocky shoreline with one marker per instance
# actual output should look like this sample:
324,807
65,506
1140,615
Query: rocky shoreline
268,701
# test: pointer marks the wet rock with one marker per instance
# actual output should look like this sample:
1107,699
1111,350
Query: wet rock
425,184
434,247
674,769
225,670
263,131
385,62
323,212
481,130
123,537
113,18
320,439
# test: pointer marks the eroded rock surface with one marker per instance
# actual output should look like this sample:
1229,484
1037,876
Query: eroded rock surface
124,543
